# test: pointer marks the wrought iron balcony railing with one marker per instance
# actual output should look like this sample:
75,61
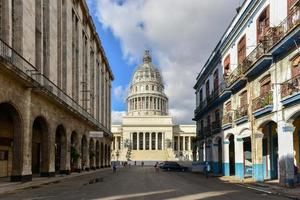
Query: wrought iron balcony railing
227,118
290,87
269,40
26,70
241,111
263,101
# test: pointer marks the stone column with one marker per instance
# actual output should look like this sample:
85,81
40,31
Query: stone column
257,156
239,158
156,142
215,158
144,141
138,140
286,153
226,161
183,143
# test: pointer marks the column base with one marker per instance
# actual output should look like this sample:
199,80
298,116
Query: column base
239,170
47,174
226,169
258,172
21,178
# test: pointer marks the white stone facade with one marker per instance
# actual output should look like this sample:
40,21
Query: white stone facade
55,88
147,132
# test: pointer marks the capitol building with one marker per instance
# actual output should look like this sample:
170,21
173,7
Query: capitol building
147,132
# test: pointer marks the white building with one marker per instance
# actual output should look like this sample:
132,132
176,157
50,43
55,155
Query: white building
247,109
147,132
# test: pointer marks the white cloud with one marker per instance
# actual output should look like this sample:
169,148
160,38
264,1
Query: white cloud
120,93
116,116
181,35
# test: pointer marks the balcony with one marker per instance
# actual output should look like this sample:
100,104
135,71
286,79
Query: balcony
216,127
241,114
236,79
257,61
290,91
263,105
227,120
220,94
284,36
25,70
207,130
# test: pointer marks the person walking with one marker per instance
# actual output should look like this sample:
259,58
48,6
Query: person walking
114,168
142,163
207,169
156,167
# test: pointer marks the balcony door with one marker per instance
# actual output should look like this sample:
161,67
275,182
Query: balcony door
242,50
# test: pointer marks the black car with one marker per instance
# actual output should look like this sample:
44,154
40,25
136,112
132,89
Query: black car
173,166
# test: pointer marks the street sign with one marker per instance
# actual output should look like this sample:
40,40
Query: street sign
96,134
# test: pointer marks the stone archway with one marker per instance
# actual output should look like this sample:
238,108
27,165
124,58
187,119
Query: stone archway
10,142
40,153
60,150
92,153
98,164
84,153
75,153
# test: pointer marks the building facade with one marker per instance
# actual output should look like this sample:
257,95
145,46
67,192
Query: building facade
147,132
247,107
55,88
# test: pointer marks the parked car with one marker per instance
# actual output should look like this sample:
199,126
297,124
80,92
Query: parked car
173,166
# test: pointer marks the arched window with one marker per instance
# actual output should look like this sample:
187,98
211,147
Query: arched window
296,66
152,87
147,87
227,65
265,85
242,50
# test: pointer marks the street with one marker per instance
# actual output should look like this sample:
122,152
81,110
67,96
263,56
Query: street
139,183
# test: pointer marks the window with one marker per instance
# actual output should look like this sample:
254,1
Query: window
147,141
263,23
242,50
265,85
296,66
147,87
159,144
153,141
217,115
291,5
152,87
243,98
201,96
207,88
227,65
141,141
134,138
216,80
228,106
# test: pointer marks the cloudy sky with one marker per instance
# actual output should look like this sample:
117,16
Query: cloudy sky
179,33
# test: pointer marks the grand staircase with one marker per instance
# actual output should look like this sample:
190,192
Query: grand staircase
149,155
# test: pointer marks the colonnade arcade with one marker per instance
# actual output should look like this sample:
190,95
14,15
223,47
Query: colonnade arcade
147,141
148,103
50,148
183,143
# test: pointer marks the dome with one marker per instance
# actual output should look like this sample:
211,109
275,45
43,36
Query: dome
146,95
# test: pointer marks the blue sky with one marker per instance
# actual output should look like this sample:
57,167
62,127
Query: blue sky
176,32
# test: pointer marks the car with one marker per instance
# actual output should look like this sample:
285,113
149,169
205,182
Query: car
173,166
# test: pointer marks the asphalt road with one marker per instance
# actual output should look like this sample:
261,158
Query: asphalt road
139,183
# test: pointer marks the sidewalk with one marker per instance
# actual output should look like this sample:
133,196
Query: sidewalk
8,187
270,187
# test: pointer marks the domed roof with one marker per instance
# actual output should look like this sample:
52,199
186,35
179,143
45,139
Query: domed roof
147,71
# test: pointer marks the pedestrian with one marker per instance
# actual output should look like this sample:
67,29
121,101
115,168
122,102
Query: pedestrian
134,162
114,168
142,163
156,167
207,169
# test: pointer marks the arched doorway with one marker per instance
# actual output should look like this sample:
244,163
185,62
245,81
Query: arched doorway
247,157
84,153
296,140
60,149
231,155
98,154
102,155
75,155
10,142
39,160
270,150
92,154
